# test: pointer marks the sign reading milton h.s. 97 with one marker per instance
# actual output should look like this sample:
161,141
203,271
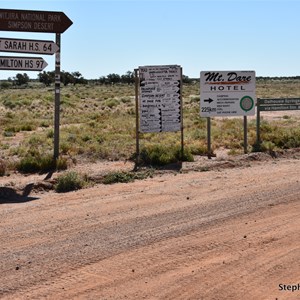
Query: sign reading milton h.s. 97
227,93
34,21
22,63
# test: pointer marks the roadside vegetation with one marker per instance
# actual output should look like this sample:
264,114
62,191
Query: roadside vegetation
98,123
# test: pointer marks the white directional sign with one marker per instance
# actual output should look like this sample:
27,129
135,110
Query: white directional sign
22,63
28,46
227,93
160,98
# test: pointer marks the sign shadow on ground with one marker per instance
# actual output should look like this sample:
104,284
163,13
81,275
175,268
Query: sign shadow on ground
9,195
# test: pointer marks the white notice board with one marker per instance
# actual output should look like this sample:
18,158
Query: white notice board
160,98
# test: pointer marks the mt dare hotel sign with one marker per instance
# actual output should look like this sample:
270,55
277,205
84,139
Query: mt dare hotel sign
227,93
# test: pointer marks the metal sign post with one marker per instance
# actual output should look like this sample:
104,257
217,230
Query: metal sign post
209,152
137,130
35,21
181,114
57,98
258,125
245,135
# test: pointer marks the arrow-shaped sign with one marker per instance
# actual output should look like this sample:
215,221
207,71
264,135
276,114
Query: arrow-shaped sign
22,63
209,100
34,21
28,46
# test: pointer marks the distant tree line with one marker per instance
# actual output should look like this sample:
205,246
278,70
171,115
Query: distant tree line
20,79
258,78
114,78
65,77
74,78
46,78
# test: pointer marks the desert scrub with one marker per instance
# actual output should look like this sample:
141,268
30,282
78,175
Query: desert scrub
2,167
125,177
35,162
159,155
111,103
70,181
282,137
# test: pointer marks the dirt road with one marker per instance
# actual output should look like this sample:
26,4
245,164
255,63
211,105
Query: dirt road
224,234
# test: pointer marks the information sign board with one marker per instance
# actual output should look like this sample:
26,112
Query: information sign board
160,98
227,93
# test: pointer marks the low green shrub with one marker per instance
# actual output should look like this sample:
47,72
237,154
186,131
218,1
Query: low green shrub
124,177
35,162
71,181
159,155
2,168
61,164
112,103
116,177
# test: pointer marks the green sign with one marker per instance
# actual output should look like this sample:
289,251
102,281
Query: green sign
279,107
279,104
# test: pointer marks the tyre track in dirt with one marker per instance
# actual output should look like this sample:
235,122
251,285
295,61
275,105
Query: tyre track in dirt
146,239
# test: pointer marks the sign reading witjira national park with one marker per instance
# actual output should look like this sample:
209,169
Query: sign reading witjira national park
227,93
34,21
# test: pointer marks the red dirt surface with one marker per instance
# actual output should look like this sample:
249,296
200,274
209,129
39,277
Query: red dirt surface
230,233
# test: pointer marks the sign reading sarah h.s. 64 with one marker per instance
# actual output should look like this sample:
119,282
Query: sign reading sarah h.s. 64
227,93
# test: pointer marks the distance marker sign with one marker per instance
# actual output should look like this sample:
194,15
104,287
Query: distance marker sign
227,93
22,63
160,98
28,46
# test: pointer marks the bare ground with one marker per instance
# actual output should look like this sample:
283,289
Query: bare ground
230,233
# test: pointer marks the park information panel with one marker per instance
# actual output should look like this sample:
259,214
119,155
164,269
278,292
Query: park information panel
160,98
227,93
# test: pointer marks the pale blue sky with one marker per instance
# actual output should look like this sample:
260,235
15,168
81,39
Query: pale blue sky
116,36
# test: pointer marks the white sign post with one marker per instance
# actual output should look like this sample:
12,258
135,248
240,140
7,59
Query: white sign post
227,93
